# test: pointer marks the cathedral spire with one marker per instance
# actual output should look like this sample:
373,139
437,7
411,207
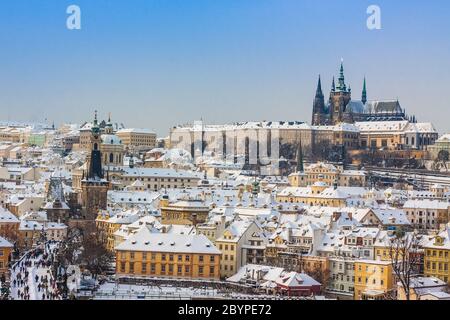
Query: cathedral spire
341,82
319,93
318,105
364,92
333,86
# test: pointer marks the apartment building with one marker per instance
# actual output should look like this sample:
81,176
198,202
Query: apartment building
147,254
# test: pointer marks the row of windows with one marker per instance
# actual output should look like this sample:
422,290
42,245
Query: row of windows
342,288
208,233
347,136
440,266
225,267
225,257
341,277
421,213
374,269
354,241
366,280
434,253
349,266
373,143
154,179
169,257
225,247
169,268
312,202
319,176
429,223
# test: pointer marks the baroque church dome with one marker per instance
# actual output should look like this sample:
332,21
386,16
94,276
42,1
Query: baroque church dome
111,139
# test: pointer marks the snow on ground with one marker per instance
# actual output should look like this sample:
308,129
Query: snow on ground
113,291
134,292
74,278
33,264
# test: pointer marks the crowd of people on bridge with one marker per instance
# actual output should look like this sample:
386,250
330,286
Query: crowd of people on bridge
33,279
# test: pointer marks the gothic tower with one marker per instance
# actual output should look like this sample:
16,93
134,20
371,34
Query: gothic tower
94,186
340,96
319,112
364,93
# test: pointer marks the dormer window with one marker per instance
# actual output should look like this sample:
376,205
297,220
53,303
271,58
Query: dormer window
439,241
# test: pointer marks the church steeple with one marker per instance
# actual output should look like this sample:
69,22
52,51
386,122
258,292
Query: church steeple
109,126
319,93
318,105
333,86
364,92
94,160
341,80
339,100
95,126
95,118
299,159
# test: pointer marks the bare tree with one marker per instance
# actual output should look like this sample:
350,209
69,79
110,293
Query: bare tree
94,255
441,160
406,257
4,288
320,274
70,248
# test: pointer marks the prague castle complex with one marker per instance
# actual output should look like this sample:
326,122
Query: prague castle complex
341,121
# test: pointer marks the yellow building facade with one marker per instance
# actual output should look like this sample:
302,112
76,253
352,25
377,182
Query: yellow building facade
137,138
373,279
5,252
437,256
148,254
185,212
319,194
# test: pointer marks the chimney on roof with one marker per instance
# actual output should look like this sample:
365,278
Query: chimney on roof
336,216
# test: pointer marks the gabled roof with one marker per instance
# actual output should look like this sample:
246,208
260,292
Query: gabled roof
444,236
391,216
7,217
296,280
388,106
5,243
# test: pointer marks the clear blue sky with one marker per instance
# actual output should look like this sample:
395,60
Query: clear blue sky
158,63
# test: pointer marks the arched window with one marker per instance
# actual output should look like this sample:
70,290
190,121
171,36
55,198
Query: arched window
95,146
111,158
